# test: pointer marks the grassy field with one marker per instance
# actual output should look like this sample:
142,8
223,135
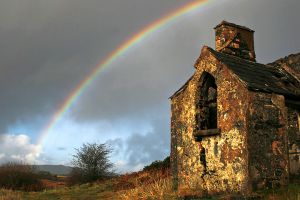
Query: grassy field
142,185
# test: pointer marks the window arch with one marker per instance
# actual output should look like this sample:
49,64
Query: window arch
206,103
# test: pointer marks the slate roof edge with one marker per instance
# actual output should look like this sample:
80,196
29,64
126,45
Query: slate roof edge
247,85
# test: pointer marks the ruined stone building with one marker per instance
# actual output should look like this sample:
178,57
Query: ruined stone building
235,122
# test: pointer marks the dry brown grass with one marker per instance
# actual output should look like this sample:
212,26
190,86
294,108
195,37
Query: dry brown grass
10,195
136,186
50,184
148,185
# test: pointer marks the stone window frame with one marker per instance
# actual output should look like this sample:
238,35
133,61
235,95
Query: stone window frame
203,102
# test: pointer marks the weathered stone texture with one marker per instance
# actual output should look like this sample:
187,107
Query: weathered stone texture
267,141
235,40
235,123
226,154
293,131
291,64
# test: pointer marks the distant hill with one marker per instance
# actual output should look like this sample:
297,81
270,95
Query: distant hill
54,169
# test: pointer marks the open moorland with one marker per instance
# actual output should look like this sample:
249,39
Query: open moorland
147,184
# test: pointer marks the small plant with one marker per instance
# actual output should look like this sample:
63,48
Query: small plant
19,176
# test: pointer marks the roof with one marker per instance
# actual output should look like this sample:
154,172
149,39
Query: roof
292,61
260,77
256,76
233,25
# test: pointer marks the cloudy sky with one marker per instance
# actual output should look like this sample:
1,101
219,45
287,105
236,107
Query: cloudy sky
48,47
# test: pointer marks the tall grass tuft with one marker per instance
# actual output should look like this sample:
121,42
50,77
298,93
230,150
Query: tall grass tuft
150,185
9,195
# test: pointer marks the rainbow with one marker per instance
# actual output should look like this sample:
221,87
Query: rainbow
81,87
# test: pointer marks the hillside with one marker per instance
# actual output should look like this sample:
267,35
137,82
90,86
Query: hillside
54,169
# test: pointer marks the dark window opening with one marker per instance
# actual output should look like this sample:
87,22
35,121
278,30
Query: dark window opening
298,114
206,115
203,158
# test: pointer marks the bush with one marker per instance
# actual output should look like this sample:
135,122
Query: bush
91,163
76,176
47,175
19,176
158,165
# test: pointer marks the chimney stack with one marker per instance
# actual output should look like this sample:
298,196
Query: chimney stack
235,40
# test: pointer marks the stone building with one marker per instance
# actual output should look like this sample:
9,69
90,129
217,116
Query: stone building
235,122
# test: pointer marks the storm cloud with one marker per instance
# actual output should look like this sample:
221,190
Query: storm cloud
48,47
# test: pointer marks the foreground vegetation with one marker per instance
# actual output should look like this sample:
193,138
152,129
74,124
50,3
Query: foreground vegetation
154,182
142,185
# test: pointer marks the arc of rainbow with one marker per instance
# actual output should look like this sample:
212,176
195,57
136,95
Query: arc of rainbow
77,92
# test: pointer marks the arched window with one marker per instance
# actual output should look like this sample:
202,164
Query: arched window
206,106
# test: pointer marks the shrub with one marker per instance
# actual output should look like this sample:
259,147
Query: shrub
158,165
76,176
91,163
19,176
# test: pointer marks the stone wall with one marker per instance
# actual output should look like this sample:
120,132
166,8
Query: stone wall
258,144
291,64
294,142
226,156
267,141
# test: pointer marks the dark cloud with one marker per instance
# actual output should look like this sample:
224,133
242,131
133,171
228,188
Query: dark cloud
154,145
138,85
48,47
140,149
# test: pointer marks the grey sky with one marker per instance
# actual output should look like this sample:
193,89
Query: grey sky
48,47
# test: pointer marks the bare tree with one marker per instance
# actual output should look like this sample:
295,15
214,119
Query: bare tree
91,162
